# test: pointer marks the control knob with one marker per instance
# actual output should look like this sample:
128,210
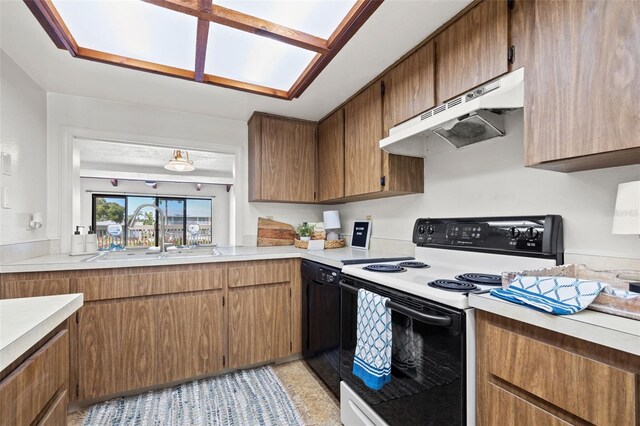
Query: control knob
532,232
513,232
421,229
431,229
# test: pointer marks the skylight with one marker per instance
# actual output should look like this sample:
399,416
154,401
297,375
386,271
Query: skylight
317,17
259,60
270,47
132,29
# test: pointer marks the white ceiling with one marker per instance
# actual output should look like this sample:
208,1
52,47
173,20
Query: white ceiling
396,27
104,159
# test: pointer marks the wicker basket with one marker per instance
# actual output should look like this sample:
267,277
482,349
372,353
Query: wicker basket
328,244
629,308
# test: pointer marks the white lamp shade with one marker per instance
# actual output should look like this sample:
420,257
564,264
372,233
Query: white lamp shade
626,218
331,219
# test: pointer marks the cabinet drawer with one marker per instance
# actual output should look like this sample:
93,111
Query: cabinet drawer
508,409
56,415
34,288
567,380
148,284
26,391
244,274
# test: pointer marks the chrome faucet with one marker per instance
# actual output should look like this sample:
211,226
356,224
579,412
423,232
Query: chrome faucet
161,224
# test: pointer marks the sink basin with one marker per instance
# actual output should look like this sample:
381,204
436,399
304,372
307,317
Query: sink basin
137,255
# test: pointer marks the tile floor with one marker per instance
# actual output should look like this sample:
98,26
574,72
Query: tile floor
315,403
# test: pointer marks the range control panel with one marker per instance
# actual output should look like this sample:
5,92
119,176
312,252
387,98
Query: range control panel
541,235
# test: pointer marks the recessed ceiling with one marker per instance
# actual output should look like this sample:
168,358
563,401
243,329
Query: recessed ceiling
269,47
395,28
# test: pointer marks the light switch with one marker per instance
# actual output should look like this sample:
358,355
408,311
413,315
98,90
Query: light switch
5,163
6,199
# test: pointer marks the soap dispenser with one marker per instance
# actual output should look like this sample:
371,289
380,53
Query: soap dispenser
77,242
91,241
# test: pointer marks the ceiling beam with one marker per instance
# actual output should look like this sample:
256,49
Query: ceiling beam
202,38
122,61
245,87
48,17
201,48
243,22
356,17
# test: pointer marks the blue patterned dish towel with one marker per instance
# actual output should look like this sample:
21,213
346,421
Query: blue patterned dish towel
372,362
557,295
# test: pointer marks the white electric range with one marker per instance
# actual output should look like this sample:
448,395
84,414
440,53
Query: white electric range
433,366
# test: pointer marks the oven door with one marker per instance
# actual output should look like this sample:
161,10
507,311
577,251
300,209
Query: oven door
428,385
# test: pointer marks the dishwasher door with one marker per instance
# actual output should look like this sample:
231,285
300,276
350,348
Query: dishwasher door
321,322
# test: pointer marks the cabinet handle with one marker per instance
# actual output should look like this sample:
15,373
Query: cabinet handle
511,55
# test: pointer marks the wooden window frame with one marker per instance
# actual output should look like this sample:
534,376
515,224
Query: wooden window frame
48,17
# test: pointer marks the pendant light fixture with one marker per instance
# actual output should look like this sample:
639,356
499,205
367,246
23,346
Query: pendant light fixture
178,163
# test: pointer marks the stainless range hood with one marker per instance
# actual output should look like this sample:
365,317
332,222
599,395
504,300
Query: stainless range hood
470,118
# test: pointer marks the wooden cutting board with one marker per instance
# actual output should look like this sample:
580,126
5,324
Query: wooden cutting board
272,233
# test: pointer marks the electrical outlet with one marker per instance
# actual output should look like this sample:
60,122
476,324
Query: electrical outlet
368,217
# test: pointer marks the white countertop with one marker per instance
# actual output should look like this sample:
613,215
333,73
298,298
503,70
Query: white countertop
607,330
332,257
24,322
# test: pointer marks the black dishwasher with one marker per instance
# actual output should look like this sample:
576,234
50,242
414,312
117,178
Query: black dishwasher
321,321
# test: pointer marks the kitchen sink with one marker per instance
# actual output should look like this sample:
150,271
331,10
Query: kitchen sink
138,255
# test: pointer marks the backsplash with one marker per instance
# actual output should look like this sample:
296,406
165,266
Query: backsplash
489,179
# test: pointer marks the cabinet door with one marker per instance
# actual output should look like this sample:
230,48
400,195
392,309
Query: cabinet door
331,157
259,324
288,160
410,87
190,336
363,131
99,349
508,409
583,85
133,344
56,415
473,50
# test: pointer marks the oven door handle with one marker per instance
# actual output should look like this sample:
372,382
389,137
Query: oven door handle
442,321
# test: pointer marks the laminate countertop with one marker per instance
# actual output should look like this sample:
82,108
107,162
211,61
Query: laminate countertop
332,257
24,322
604,329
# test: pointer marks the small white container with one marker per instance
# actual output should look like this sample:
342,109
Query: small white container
91,242
77,242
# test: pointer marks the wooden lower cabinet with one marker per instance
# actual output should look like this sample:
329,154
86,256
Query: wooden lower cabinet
56,415
132,344
259,324
531,376
32,391
148,327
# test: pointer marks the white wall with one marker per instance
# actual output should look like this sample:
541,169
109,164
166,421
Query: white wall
488,179
218,193
191,130
23,121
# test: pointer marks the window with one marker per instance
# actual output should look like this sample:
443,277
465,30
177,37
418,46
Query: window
188,220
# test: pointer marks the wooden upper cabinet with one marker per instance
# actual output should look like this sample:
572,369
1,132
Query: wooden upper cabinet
331,157
410,87
362,132
582,85
472,50
282,159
